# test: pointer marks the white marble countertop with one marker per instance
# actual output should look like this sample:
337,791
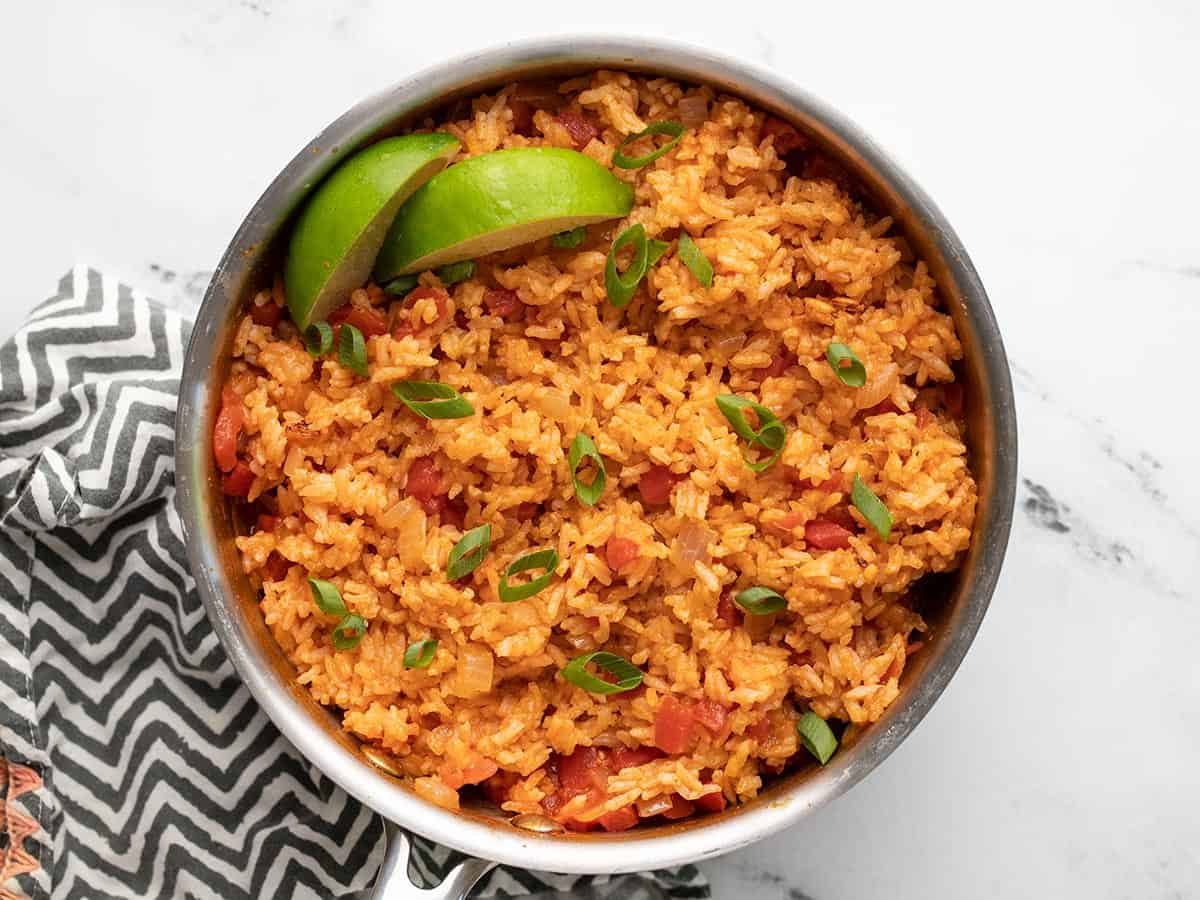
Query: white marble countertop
1061,139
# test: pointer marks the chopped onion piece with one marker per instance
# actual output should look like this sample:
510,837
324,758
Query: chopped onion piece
475,667
691,544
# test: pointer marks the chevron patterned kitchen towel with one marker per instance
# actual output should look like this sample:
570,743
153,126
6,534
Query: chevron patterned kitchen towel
133,763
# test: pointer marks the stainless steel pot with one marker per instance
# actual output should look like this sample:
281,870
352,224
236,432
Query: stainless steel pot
248,265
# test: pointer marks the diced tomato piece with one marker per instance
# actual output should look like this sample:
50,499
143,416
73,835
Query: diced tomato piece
228,426
580,128
266,522
787,138
454,512
711,714
621,553
277,567
826,535
673,725
522,117
840,515
727,611
503,303
710,803
680,808
956,398
237,483
424,483
656,485
619,819
627,757
526,511
584,770
785,523
760,730
883,406
371,322
924,417
268,314
780,363
412,325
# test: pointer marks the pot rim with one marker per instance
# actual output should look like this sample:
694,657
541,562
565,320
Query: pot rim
640,849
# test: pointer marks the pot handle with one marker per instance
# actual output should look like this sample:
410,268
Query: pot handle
392,882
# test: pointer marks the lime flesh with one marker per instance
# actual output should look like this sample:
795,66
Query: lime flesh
496,201
342,226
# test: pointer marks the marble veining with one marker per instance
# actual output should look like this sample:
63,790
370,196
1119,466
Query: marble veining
1061,141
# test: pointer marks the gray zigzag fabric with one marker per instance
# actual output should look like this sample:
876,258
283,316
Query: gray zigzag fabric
133,763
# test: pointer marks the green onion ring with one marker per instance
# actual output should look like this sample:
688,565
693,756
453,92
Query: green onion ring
621,286
871,507
569,240
817,737
621,161
627,674
583,447
771,433
695,260
318,339
355,625
759,601
419,654
453,273
654,251
400,287
853,375
469,552
540,559
352,350
433,400
327,597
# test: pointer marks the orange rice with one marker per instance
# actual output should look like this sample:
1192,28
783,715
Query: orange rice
799,262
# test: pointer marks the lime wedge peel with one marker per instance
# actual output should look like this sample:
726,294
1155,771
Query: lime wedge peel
496,201
339,232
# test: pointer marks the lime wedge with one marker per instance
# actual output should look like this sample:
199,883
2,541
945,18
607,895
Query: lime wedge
496,201
344,222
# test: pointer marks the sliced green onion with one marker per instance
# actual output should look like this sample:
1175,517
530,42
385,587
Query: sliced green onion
758,601
569,240
583,447
419,654
654,251
318,339
453,273
539,559
352,350
871,507
327,597
695,260
349,632
621,286
817,737
770,435
469,552
400,287
433,400
627,674
853,375
621,161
